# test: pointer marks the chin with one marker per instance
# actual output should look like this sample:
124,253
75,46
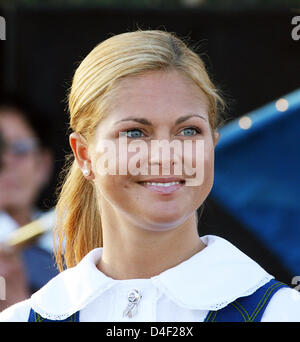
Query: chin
164,222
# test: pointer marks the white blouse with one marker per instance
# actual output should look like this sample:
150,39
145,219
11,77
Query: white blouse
209,280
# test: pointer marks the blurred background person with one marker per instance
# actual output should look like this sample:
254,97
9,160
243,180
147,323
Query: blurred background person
26,169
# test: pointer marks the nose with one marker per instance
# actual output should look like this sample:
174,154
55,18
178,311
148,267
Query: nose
165,157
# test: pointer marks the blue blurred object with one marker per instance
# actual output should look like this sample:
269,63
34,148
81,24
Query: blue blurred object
257,175
39,265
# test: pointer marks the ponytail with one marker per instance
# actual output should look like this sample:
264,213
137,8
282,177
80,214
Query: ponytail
78,227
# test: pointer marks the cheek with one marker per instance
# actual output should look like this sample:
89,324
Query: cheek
120,160
113,189
209,167
199,190
198,162
31,176
105,184
26,172
26,183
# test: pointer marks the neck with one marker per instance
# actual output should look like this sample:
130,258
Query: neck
131,252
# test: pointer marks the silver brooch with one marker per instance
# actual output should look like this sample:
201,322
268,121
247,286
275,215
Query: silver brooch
133,300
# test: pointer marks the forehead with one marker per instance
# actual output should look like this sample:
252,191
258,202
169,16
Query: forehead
157,95
13,125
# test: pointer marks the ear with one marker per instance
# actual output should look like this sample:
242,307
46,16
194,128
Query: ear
216,138
80,149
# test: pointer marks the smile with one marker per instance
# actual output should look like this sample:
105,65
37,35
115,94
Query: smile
164,188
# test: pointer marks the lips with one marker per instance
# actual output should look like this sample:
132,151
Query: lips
163,185
163,180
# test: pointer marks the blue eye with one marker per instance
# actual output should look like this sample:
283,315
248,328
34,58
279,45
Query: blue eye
133,135
190,131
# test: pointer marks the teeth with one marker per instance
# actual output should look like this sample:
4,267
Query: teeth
161,184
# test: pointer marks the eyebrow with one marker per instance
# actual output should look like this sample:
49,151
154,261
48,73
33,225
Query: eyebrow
149,123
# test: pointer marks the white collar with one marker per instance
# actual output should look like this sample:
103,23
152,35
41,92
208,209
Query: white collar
209,280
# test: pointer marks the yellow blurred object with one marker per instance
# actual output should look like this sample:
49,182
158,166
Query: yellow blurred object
28,233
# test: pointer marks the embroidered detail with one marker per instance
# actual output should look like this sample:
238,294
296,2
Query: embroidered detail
36,317
266,296
63,316
253,289
242,310
209,317
249,308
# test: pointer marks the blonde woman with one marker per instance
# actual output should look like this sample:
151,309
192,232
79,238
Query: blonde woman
129,239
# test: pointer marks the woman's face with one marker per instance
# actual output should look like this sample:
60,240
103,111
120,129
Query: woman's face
24,169
145,109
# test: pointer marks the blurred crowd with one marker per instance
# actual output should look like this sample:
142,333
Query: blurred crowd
26,167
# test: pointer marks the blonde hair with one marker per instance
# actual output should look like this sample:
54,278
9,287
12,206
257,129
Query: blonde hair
132,53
